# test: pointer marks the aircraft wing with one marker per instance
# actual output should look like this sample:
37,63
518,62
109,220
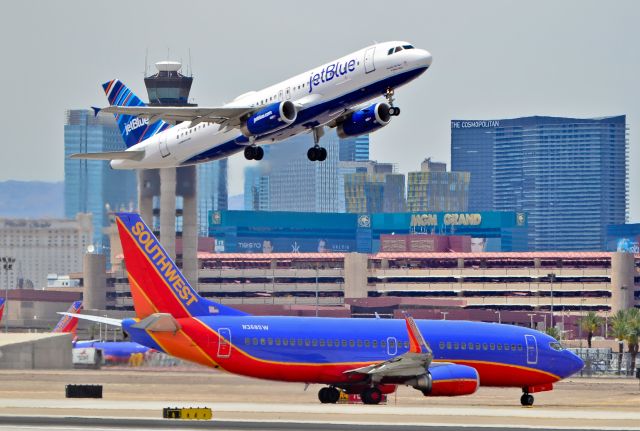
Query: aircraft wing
219,115
413,363
99,319
110,155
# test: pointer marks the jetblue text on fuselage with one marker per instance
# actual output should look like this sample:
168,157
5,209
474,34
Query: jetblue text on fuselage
331,71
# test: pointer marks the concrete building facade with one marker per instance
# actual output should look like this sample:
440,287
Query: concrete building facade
435,189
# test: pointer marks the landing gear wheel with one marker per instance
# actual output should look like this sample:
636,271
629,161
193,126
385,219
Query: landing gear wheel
328,395
317,154
371,396
526,400
253,153
312,154
394,111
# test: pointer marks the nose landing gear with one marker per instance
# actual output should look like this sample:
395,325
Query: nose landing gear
526,399
393,110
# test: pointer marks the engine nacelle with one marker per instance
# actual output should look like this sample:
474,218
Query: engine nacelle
447,381
364,121
269,119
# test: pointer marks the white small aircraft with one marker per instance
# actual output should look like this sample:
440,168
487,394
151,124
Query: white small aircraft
337,94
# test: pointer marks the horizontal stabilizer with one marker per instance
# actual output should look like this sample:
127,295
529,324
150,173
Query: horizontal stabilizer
110,155
158,322
99,319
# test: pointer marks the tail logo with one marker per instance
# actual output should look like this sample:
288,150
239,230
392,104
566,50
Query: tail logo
163,263
135,124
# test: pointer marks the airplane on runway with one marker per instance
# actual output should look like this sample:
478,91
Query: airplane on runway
1,308
336,94
369,357
112,351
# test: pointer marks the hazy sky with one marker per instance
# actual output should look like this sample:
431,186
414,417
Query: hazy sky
492,59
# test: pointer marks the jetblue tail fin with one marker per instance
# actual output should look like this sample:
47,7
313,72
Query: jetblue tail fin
157,285
69,323
133,129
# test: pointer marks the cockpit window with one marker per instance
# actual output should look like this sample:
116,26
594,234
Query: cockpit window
390,51
407,46
398,48
556,346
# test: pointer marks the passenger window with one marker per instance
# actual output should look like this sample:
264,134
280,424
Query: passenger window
285,341
485,346
336,343
299,342
463,346
477,346
406,344
499,346
270,341
375,344
492,346
321,342
455,346
255,341
307,343
441,345
263,342
506,347
359,343
329,343
314,343
520,347
352,343
292,342
247,341
367,343
383,344
449,345
277,341
344,343
470,346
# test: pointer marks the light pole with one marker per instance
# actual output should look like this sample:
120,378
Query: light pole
552,278
444,315
531,317
317,288
7,265
499,316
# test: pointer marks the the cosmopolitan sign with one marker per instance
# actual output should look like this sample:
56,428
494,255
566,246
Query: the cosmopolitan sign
448,219
469,124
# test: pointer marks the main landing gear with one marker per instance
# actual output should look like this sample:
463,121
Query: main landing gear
253,152
371,396
329,395
393,110
526,399
317,153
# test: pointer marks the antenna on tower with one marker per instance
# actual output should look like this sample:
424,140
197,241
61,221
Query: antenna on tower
146,58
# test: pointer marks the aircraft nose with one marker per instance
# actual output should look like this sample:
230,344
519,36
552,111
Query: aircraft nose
424,57
575,363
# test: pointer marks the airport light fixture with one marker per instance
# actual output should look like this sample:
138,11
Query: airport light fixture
552,279
7,265
499,315
444,315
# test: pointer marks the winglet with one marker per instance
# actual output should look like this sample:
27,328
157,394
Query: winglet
96,110
417,343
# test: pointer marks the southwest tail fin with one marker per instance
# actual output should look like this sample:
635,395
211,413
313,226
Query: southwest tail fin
157,285
69,323
1,307
133,129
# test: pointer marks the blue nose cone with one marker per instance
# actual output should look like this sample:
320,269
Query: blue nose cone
573,364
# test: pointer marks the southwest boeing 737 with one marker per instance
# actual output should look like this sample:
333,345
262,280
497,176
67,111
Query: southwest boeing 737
369,357
337,94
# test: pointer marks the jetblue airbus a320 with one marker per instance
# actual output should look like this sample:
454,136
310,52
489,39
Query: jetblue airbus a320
369,357
337,94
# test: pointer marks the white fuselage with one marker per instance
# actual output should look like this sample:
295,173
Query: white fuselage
321,95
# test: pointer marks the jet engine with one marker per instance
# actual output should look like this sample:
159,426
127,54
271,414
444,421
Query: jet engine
269,119
447,381
365,120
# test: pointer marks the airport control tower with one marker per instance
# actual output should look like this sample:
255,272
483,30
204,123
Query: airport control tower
168,87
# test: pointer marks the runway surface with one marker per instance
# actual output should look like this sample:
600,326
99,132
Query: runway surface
134,399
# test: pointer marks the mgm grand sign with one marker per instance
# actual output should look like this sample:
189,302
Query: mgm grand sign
448,219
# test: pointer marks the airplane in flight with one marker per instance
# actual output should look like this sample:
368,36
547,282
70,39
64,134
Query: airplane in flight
369,357
112,351
339,94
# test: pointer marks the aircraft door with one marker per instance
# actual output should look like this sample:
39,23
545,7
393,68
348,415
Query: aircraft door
532,349
224,342
164,148
392,346
369,66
